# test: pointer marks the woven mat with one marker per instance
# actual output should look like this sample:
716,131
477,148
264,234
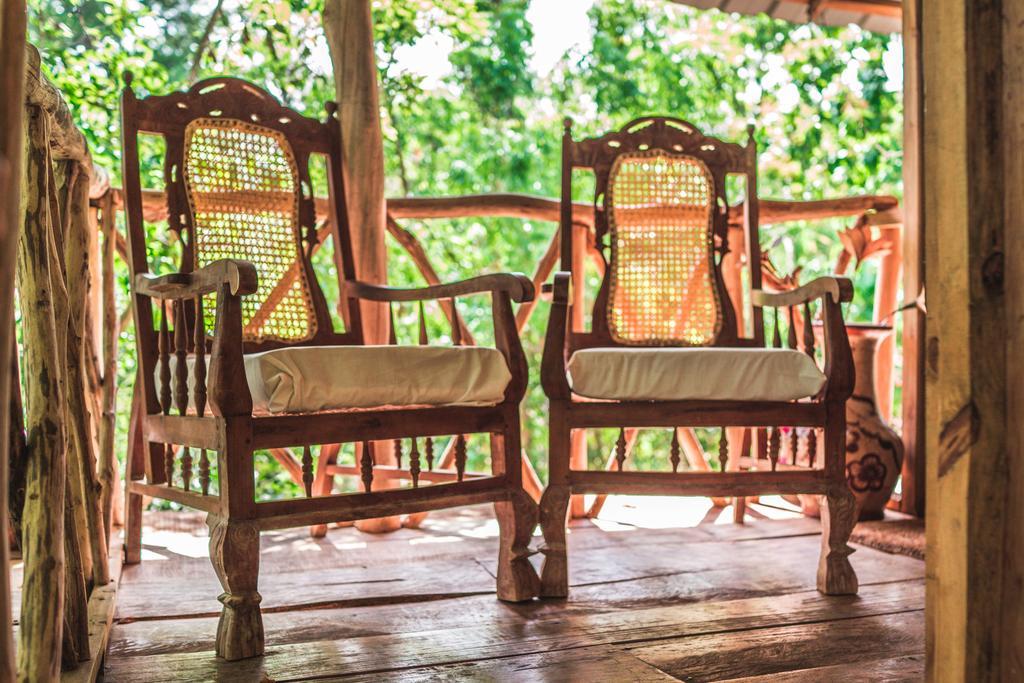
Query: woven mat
900,536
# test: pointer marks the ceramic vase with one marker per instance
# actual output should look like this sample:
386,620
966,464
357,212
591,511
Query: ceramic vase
874,451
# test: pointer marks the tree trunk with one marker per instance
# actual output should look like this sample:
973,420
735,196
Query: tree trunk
348,25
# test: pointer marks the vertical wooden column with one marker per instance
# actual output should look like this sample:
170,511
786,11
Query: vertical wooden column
973,62
913,497
578,438
12,82
349,28
348,25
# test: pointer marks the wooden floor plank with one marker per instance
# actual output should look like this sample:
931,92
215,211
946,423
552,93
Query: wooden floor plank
675,591
488,640
892,670
573,666
777,564
713,602
770,651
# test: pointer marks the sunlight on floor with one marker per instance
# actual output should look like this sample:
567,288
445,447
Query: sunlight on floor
178,536
621,513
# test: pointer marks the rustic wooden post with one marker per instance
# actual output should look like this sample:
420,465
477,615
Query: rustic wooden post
973,63
348,25
82,456
111,331
913,496
12,82
42,599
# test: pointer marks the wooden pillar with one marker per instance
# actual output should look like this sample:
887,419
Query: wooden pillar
12,107
913,491
348,25
973,63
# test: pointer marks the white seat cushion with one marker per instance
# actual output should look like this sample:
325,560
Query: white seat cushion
679,374
305,379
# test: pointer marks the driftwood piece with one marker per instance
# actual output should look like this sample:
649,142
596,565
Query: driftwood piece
111,331
65,140
43,587
81,417
75,645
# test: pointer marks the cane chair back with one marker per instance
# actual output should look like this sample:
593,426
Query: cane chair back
242,184
662,231
237,181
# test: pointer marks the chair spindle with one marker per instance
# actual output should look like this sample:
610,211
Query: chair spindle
204,472
812,446
414,463
460,456
366,467
429,452
199,342
307,470
808,331
776,337
393,334
169,463
398,453
424,340
456,325
774,444
674,453
791,335
164,351
723,449
620,448
794,445
186,469
180,358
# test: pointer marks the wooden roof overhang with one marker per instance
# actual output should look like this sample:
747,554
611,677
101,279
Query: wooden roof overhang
883,16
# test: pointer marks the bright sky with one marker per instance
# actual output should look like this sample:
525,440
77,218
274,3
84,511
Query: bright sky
557,26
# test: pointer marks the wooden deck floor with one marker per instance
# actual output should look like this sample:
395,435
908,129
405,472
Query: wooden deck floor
711,602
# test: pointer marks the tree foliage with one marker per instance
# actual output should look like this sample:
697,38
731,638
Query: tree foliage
826,110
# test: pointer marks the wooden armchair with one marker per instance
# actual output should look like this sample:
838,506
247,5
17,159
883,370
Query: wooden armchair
238,352
672,343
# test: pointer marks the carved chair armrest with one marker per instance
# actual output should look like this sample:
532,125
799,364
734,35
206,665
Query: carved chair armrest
517,286
228,389
240,276
833,291
840,289
552,373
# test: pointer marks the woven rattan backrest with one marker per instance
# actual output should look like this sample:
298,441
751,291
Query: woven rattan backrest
661,228
238,185
243,192
660,211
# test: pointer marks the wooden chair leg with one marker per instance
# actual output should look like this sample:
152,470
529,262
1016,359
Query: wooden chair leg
578,461
134,463
235,553
554,508
517,518
323,483
132,527
838,514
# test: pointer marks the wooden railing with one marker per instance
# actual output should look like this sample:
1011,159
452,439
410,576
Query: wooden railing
62,465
